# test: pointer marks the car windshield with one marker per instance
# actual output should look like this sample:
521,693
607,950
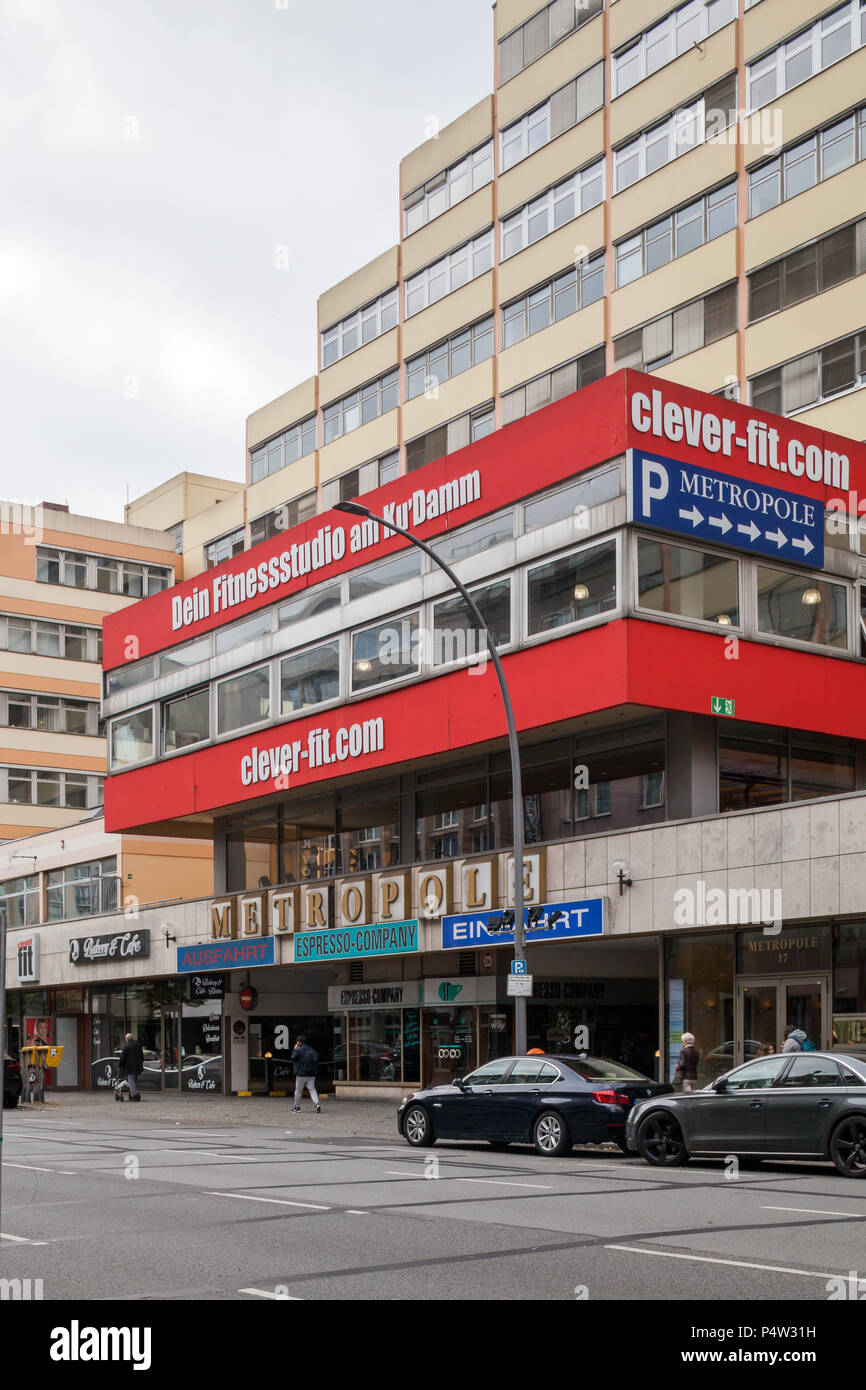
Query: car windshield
601,1069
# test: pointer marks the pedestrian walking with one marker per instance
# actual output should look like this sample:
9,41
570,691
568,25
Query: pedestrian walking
686,1070
305,1059
131,1065
794,1039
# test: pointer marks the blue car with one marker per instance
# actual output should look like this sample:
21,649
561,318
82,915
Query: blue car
553,1102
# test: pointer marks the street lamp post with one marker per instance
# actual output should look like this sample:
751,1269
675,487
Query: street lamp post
356,509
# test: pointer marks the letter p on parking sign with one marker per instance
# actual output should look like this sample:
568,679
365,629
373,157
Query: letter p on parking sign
655,483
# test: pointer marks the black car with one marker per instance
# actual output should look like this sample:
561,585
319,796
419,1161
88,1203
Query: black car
12,1083
789,1105
552,1102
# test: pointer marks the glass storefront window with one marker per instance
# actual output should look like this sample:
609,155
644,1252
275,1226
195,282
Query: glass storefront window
251,851
449,1044
849,987
699,999
445,805
375,1046
308,826
369,827
753,774
803,607
687,583
201,1046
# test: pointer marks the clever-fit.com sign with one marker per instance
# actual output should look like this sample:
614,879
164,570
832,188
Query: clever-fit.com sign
711,506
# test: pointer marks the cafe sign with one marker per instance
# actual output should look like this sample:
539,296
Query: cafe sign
122,945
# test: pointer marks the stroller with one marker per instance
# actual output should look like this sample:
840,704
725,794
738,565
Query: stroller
121,1089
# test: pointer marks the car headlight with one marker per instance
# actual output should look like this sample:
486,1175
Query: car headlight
406,1100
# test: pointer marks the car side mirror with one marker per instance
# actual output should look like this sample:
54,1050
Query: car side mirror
720,1084
459,1083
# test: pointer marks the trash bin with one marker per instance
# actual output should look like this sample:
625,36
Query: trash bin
35,1057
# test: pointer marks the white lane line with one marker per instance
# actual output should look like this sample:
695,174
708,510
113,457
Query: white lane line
498,1182
266,1293
354,1211
31,1167
392,1173
815,1211
709,1260
21,1240
276,1201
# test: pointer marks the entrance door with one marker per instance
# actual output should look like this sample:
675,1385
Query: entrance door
766,1004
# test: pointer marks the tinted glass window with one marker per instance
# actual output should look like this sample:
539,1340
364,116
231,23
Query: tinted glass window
600,1069
814,1071
491,1075
756,1075
525,1072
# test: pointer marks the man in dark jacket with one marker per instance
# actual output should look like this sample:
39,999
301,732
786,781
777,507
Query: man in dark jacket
305,1060
131,1065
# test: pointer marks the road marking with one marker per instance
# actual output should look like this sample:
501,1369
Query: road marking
353,1211
265,1293
31,1167
392,1173
276,1201
21,1240
498,1182
709,1260
815,1211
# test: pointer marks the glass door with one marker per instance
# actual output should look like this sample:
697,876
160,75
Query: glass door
765,1006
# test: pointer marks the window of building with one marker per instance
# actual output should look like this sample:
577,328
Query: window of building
293,444
81,890
283,518
132,739
461,265
186,721
542,32
474,540
224,547
760,765
70,641
386,651
677,234
688,583
457,354
675,335
456,636
677,33
825,42
573,290
48,713
19,902
26,786
559,205
310,678
809,271
447,188
552,386
808,163
375,578
360,407
812,378
678,133
309,604
445,439
804,607
244,700
251,629
572,103
359,328
574,500
572,589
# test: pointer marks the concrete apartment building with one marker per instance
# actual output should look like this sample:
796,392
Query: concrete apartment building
678,188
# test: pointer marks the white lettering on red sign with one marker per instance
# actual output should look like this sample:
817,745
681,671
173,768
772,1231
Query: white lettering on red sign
322,747
716,434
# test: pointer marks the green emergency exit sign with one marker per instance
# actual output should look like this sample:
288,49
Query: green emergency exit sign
719,705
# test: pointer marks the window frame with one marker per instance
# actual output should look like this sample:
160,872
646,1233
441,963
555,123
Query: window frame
579,624
354,322
739,628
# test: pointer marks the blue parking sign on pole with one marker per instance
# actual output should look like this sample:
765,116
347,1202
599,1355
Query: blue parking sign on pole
518,967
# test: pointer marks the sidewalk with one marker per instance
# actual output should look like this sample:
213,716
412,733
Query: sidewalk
368,1118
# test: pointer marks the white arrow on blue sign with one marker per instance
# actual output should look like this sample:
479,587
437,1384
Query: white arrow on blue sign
735,512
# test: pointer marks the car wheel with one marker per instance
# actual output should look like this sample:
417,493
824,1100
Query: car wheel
417,1129
848,1147
499,1145
550,1135
660,1141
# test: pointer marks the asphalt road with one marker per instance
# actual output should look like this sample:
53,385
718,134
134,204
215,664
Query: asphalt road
124,1204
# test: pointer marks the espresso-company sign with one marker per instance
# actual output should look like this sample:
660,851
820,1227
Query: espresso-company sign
123,945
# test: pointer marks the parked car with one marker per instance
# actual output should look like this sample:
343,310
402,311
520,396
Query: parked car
12,1083
788,1105
552,1102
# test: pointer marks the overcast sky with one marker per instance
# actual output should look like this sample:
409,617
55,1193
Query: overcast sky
157,155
